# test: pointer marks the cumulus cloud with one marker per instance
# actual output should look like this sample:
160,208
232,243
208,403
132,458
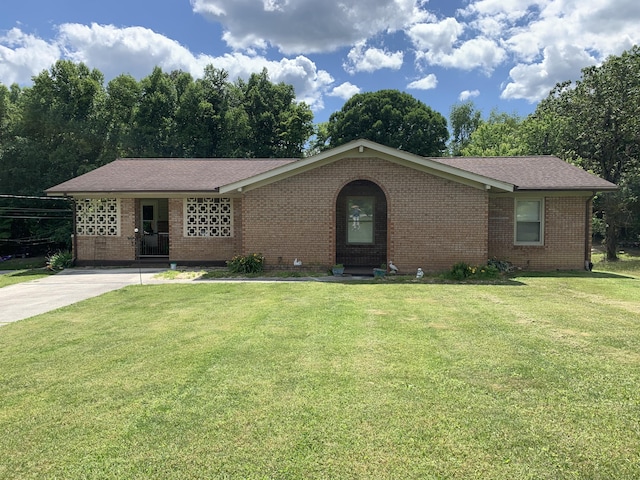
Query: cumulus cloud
550,41
443,44
22,56
437,37
345,91
134,50
371,59
467,94
427,83
137,50
307,26
534,81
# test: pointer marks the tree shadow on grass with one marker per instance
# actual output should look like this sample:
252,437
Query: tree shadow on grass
30,272
575,274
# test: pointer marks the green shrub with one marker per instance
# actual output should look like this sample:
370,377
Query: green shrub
252,263
463,271
460,271
60,260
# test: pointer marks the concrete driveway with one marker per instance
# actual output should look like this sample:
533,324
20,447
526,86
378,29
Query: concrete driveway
27,299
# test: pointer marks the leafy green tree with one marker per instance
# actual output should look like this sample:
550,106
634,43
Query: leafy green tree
59,132
278,125
56,133
122,99
392,118
154,118
201,118
499,135
596,124
465,120
320,140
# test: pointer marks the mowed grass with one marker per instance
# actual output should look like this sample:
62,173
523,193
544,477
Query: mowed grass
535,379
23,270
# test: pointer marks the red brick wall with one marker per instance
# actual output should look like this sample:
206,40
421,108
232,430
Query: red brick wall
564,234
432,222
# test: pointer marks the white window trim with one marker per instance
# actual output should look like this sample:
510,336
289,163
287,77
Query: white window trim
515,220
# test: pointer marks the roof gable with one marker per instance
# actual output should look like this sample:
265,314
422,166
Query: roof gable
367,148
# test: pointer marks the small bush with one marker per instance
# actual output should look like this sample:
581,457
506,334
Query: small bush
463,271
60,261
460,271
252,263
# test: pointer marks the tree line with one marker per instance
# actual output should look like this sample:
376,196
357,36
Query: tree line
69,122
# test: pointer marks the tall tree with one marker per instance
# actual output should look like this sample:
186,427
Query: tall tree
123,97
154,119
201,121
278,125
465,119
599,120
392,118
498,136
59,133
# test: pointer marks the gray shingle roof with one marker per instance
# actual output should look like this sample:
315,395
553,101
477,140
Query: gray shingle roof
209,175
167,175
530,173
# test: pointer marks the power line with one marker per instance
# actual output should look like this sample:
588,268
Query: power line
29,197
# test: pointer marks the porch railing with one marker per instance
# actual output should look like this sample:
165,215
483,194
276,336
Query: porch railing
154,245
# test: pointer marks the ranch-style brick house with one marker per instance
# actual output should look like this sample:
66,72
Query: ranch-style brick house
360,204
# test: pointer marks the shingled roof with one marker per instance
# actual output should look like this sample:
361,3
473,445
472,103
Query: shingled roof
156,175
167,175
530,172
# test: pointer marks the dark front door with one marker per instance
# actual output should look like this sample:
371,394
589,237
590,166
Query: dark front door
361,225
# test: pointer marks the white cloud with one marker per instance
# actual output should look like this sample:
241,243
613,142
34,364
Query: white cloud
467,94
552,40
307,26
372,59
444,44
437,37
534,81
345,91
427,83
481,53
137,50
22,56
133,50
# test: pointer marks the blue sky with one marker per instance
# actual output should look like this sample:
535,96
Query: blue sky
501,54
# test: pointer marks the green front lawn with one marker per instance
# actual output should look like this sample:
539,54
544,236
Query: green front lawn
538,378
22,270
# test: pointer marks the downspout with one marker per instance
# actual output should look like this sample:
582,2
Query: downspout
588,212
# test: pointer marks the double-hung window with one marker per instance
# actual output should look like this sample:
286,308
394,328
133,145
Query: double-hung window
529,222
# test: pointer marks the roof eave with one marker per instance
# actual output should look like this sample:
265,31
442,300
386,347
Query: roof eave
590,189
129,193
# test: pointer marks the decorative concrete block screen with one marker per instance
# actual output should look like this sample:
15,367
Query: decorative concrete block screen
208,217
98,217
